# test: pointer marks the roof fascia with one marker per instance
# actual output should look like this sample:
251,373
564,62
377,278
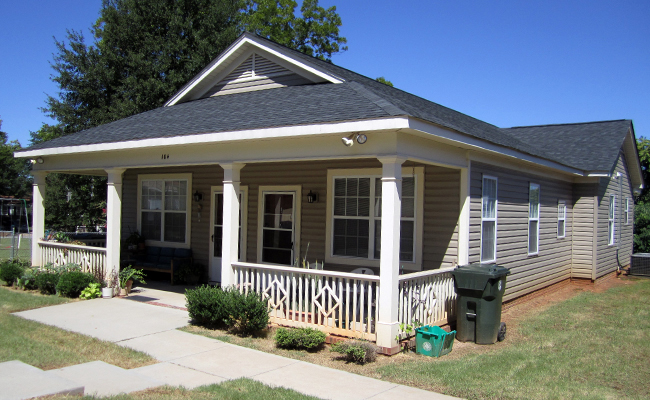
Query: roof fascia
380,124
632,153
479,144
247,39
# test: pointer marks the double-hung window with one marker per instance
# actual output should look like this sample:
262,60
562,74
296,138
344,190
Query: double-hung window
356,218
611,226
561,219
489,219
163,208
533,219
627,210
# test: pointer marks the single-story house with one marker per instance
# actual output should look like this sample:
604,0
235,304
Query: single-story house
269,157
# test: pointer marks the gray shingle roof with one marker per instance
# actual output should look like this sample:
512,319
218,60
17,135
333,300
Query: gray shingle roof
587,147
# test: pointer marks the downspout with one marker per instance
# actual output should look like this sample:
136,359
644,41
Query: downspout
620,226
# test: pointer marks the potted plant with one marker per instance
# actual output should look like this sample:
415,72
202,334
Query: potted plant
134,241
190,273
112,282
129,275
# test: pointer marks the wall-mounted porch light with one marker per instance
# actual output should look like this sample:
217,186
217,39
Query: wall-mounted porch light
198,196
312,197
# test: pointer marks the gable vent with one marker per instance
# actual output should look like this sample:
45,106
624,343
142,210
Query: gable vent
255,66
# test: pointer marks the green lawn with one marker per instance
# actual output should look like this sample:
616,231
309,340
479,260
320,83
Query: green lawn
596,345
47,347
24,252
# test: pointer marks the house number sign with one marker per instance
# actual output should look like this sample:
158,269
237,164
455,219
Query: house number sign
165,156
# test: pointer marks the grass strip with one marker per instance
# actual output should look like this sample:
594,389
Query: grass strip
48,347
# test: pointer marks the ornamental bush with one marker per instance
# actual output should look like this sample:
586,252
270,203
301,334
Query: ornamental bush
246,313
357,351
299,338
72,283
205,305
46,282
10,271
27,280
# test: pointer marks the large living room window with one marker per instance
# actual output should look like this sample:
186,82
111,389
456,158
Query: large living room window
164,203
354,220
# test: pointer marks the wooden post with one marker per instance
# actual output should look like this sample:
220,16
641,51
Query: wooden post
231,207
38,215
113,220
463,218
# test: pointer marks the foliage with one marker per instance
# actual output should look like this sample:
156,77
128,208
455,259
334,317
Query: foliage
46,282
189,272
72,283
385,81
316,33
358,351
406,331
642,206
74,200
246,313
14,172
130,273
643,146
10,271
205,305
134,238
299,338
93,291
28,279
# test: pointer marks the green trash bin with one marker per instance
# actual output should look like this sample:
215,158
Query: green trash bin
433,341
479,289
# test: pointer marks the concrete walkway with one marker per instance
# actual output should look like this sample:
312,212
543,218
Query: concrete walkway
191,360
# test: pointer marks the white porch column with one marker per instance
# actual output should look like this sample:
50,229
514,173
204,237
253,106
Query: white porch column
230,237
463,218
113,220
38,216
391,210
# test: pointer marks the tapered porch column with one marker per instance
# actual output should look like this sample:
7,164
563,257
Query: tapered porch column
463,218
113,220
230,237
391,209
38,215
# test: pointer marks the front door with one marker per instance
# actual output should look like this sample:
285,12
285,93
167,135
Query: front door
216,233
278,227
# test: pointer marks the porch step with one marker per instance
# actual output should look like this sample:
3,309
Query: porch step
22,381
102,379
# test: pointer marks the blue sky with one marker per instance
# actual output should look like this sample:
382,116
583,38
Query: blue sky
509,63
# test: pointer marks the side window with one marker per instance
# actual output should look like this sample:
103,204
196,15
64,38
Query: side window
561,219
611,227
533,219
489,219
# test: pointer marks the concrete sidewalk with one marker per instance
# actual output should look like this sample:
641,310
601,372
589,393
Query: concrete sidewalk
191,360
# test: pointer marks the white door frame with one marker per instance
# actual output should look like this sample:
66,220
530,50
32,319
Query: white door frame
215,263
296,190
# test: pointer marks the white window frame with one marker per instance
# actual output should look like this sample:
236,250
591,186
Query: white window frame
372,173
611,224
531,218
561,218
188,212
627,211
486,219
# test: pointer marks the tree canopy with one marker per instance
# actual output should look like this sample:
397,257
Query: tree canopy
14,172
142,52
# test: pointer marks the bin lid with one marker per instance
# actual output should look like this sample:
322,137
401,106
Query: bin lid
476,276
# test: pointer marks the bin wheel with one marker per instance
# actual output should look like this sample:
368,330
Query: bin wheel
502,332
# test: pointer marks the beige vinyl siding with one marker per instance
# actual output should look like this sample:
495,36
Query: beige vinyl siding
621,188
553,262
203,177
441,205
583,230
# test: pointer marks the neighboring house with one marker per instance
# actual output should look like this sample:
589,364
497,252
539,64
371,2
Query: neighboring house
331,166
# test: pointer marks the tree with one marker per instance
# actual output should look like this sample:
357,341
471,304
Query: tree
385,81
642,202
142,52
14,172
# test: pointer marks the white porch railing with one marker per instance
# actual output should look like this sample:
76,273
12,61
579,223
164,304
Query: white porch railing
91,259
334,302
428,297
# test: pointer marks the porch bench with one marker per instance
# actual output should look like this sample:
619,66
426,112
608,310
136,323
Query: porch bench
163,259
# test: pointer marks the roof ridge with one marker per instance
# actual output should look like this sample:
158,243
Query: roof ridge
569,123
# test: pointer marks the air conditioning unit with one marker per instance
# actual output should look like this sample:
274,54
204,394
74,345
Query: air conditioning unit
640,264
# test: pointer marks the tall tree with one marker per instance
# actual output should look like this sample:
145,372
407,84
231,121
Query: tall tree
143,51
642,202
14,172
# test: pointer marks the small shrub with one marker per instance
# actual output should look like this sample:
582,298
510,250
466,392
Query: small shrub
93,291
46,282
28,280
205,305
299,338
10,271
358,351
72,283
245,313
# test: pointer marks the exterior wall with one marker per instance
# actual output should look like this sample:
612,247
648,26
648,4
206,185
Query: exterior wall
441,205
527,273
621,188
584,237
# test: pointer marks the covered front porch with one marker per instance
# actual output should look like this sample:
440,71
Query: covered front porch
383,231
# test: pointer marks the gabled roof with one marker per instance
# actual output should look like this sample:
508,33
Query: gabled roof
337,95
